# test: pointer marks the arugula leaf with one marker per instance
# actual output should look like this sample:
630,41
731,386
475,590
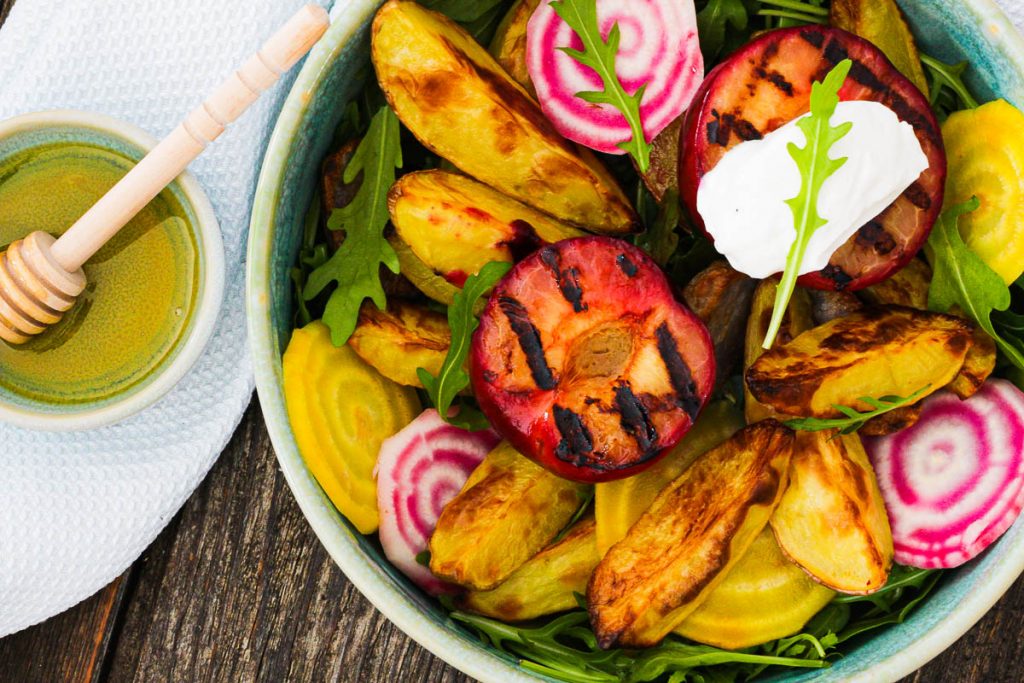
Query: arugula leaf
793,13
588,498
452,378
712,22
961,278
854,420
599,54
946,87
661,239
311,256
815,166
355,267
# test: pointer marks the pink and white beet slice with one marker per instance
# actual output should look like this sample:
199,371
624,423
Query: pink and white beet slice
659,47
418,471
953,482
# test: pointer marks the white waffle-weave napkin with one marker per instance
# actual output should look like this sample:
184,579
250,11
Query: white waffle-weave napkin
76,510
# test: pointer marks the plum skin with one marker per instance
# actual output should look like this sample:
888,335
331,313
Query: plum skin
911,105
529,418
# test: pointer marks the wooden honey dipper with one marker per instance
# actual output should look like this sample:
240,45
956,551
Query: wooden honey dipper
40,277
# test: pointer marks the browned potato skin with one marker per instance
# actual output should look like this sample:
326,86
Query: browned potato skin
831,520
334,191
885,351
979,364
420,274
909,287
827,305
508,46
456,225
695,531
509,509
546,583
456,99
882,23
400,339
892,421
721,296
906,287
797,321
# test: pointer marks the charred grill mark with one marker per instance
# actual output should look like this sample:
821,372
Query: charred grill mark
576,443
524,240
906,112
917,196
490,376
815,38
627,266
529,341
837,275
776,79
568,279
723,125
679,374
874,236
635,419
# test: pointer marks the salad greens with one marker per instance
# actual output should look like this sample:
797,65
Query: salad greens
565,648
961,278
452,378
357,262
854,419
599,54
816,166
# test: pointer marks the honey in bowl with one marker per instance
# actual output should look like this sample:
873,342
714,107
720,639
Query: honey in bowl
142,286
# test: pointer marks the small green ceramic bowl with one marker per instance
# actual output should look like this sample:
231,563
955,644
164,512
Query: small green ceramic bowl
952,30
130,388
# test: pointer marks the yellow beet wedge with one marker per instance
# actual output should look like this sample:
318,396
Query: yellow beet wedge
341,409
985,152
764,597
452,95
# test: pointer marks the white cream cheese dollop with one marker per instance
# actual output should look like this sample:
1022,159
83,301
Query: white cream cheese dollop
742,200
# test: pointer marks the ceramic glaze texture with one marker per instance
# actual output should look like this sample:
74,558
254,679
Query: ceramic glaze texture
951,30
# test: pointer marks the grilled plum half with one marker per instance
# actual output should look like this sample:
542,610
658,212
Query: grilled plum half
586,362
766,84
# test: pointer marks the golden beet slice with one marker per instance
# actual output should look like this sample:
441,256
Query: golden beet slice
885,351
506,512
696,530
586,362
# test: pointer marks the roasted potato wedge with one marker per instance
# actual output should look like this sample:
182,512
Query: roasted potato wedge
422,276
692,535
663,174
882,23
764,597
334,191
456,225
453,96
721,296
508,47
508,510
797,321
546,583
906,287
892,421
831,520
886,351
400,339
978,365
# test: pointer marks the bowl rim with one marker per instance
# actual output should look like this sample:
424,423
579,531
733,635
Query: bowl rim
476,660
206,312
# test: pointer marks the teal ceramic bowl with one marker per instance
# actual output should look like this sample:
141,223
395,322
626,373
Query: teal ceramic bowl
952,30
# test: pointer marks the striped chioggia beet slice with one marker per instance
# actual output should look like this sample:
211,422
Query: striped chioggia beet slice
419,470
658,49
953,482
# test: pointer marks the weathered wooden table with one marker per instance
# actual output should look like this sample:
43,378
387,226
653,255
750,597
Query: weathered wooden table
237,588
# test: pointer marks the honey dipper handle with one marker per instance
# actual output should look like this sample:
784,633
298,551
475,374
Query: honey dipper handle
172,154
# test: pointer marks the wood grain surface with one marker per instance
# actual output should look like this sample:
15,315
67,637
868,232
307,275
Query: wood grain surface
237,588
